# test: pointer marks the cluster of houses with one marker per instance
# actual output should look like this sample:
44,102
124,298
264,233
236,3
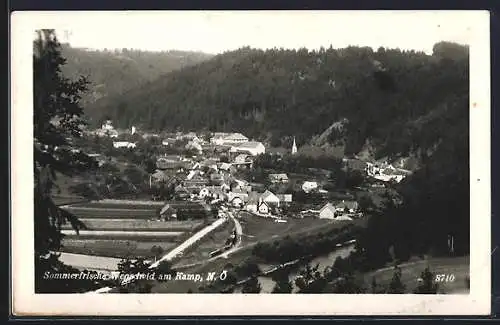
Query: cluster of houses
344,210
380,170
232,143
205,178
386,172
211,180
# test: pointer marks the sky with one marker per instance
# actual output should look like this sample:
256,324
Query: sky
216,32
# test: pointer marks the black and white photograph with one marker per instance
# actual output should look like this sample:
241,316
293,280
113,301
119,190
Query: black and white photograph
252,153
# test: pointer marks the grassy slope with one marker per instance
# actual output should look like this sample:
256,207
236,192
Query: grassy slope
260,230
458,266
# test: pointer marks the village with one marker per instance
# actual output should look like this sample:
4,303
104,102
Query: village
209,196
210,174
250,168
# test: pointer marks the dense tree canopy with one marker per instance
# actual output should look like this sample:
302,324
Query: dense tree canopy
392,97
112,72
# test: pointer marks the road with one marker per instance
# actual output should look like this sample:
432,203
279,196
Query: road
239,233
190,241
235,248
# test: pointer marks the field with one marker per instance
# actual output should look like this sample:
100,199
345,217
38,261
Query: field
113,248
411,271
139,225
131,204
119,228
68,199
119,234
107,213
258,229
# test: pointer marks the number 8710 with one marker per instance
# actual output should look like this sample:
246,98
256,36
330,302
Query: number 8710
445,278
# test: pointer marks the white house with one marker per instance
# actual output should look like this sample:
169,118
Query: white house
285,198
164,142
235,193
123,144
309,186
240,159
194,146
253,202
252,147
263,207
107,129
327,212
229,139
270,198
347,206
204,192
278,178
251,206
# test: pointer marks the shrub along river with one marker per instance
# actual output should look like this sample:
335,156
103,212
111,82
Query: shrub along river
267,284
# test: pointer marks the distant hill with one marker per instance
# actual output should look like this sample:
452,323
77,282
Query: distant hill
400,101
113,72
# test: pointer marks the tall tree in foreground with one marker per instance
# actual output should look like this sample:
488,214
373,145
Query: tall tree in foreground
282,282
396,286
427,285
57,119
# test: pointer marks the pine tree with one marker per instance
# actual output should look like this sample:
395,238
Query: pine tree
57,118
282,282
428,285
251,286
396,286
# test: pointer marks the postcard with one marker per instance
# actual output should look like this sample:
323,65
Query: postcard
181,163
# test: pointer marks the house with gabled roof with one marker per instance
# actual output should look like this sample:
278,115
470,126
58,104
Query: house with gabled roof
347,206
168,212
270,198
285,198
253,148
263,207
253,202
328,211
278,178
238,193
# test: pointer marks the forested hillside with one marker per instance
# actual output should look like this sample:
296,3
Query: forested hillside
392,102
397,99
113,72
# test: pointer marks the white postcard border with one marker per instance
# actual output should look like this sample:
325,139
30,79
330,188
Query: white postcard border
25,302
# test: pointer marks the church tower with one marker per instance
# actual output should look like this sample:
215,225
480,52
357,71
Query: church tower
294,147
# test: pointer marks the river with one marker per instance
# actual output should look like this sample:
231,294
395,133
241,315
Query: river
267,284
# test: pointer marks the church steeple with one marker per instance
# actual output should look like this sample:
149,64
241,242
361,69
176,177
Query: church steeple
294,147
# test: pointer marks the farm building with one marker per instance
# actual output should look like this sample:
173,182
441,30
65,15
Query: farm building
186,210
327,212
270,198
252,147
